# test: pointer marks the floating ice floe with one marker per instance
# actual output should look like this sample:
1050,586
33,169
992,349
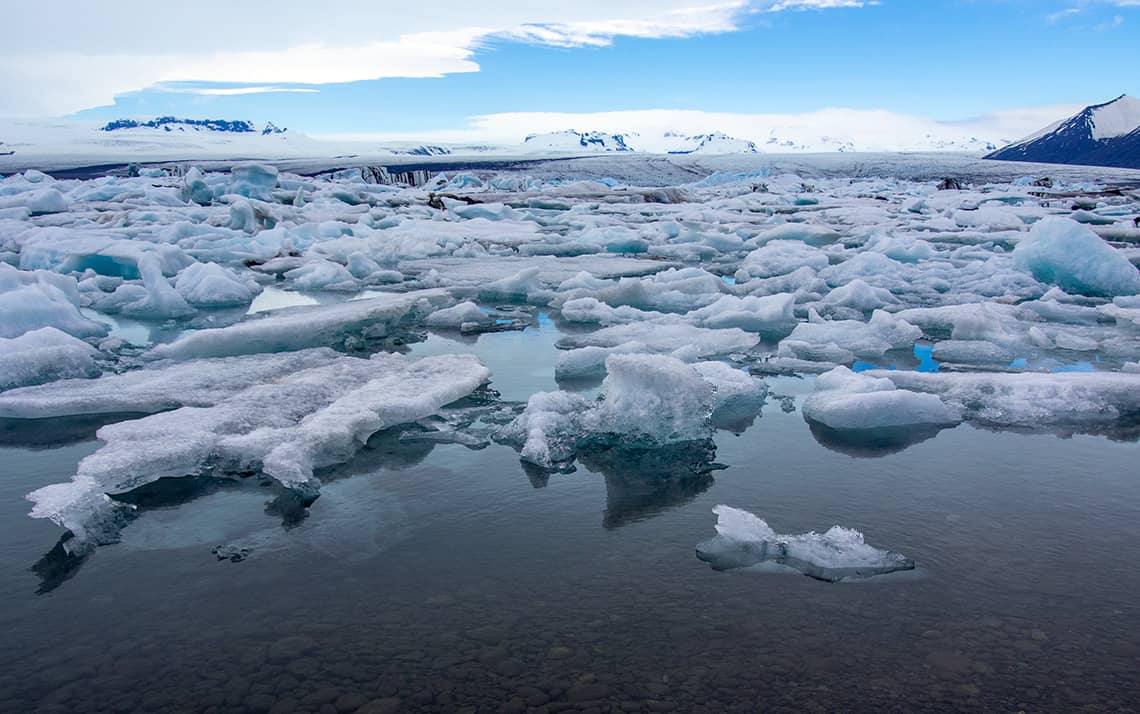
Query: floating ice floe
284,427
159,386
1097,402
744,540
674,337
845,400
844,339
306,326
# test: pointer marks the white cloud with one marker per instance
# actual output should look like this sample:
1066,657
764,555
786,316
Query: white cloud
129,45
68,55
780,5
232,91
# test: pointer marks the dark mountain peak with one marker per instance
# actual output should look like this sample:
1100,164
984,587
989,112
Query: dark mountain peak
1099,135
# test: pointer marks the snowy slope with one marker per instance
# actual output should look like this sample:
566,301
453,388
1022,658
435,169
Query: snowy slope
1100,135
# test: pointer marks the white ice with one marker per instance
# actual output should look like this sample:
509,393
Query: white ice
744,539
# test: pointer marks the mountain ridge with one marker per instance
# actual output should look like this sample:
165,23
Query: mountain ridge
1106,134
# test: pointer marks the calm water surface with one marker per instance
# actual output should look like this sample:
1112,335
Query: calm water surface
432,577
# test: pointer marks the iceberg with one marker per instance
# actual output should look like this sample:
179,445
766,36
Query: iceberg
744,540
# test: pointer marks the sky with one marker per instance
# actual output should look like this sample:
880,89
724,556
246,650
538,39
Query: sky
380,67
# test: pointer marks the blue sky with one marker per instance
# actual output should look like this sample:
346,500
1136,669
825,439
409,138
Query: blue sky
945,59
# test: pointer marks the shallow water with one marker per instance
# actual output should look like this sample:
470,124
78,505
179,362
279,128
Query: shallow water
436,578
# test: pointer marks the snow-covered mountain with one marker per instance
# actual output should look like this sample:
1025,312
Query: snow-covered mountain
714,143
669,142
172,124
422,150
1100,135
575,141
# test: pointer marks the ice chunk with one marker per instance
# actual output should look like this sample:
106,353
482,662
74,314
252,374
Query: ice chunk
520,287
667,337
977,352
300,327
158,387
590,310
45,355
847,401
990,218
154,299
882,333
771,316
670,290
253,181
655,397
70,250
860,296
464,313
211,285
1096,402
1065,253
323,275
809,233
285,428
195,189
30,300
590,362
780,258
738,396
745,540
649,400
549,429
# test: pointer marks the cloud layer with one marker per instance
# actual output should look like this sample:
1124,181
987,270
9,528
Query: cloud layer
129,45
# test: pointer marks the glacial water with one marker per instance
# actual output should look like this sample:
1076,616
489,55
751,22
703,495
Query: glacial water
433,577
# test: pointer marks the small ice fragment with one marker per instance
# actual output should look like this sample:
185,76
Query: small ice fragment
745,540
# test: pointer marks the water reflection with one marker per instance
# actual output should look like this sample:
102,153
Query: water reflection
872,443
644,482
46,434
385,450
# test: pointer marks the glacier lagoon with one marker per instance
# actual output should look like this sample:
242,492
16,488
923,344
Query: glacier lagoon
497,548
